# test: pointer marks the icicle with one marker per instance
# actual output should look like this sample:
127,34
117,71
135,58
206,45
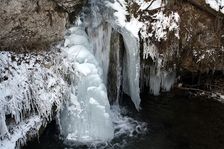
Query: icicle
131,68
3,128
167,81
161,80
155,82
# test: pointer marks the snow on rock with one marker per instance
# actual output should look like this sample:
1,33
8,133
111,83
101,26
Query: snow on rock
150,5
160,25
163,24
120,11
29,88
134,29
217,5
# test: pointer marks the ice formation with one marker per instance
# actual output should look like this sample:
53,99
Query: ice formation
100,41
86,115
131,61
134,29
29,88
31,84
125,125
131,68
100,33
161,80
28,127
162,24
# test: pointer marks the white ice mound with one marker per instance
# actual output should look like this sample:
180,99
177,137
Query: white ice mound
86,116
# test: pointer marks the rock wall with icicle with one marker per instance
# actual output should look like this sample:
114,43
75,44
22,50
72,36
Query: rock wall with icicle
178,36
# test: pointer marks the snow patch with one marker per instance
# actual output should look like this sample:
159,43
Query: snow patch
217,5
163,24
150,5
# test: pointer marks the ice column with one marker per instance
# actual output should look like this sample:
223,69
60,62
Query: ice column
161,80
86,116
131,69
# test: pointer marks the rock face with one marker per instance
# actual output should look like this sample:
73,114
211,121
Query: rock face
198,53
203,33
200,47
114,81
71,6
201,44
32,23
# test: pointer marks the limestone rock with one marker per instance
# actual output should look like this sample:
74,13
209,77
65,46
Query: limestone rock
30,23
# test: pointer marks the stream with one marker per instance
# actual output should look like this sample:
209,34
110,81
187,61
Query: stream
174,122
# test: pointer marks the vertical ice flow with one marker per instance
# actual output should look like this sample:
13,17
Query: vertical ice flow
86,117
131,68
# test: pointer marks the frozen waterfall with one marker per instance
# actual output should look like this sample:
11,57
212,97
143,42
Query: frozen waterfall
100,24
86,115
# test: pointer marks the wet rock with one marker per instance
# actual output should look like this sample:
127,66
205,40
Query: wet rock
115,67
